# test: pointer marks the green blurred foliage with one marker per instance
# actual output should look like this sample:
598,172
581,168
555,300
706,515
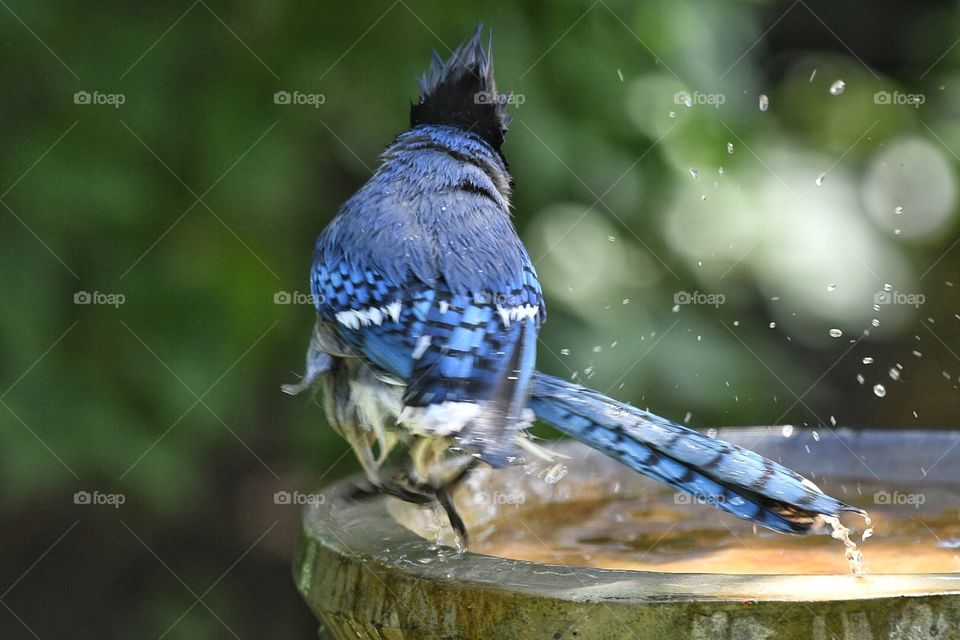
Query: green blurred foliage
199,198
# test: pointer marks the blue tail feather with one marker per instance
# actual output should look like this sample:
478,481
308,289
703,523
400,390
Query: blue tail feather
729,477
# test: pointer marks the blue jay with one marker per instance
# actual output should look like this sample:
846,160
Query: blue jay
428,311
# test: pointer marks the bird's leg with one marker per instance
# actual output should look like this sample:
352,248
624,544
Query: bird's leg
444,497
427,476
420,487
396,489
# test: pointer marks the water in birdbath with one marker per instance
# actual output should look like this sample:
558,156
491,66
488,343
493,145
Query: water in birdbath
660,530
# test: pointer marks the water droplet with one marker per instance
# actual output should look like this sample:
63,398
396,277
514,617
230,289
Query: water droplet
721,171
787,430
676,308
831,287
672,114
813,75
887,287
773,325
837,87
626,301
730,147
917,353
860,378
736,323
763,102
896,232
597,349
694,173
868,360
894,373
620,75
555,474
611,238
835,333
816,436
875,322
564,352
879,390
687,100
898,211
686,418
820,179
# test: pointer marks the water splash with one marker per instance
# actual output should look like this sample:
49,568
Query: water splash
853,555
555,473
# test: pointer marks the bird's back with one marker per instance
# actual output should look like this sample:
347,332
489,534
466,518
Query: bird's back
423,275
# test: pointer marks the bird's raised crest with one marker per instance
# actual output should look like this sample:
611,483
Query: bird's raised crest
461,92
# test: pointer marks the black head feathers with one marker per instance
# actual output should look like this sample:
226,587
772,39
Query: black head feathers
461,92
